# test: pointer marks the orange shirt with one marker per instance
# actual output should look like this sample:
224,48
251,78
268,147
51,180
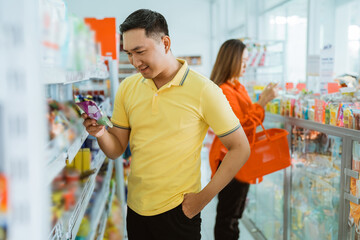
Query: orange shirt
244,109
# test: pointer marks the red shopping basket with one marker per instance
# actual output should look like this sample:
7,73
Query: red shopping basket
269,153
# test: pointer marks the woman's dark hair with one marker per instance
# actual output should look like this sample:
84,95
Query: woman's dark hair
228,61
153,22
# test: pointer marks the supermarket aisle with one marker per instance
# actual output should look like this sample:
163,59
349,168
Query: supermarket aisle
209,212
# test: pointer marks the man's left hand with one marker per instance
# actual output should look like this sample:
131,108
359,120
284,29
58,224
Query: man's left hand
192,204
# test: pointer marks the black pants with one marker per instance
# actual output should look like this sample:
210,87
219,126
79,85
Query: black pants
230,209
170,225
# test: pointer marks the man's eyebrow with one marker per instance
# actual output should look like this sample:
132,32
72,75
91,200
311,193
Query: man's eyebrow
134,49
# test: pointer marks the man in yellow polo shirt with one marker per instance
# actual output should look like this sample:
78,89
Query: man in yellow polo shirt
165,111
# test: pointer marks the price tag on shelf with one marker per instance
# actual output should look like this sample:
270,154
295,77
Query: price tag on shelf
333,87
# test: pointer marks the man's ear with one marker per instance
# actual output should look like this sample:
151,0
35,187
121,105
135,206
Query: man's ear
167,43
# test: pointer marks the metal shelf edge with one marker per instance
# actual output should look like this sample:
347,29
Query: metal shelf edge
316,126
81,208
104,195
54,167
106,214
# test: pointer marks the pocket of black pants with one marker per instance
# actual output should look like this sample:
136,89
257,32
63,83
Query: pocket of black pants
182,214
184,217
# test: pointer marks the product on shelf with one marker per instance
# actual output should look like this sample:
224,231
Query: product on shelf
93,111
340,109
65,191
90,213
69,50
84,229
82,163
3,206
64,126
68,185
115,222
62,117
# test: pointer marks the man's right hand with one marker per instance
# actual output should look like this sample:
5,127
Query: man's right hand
92,127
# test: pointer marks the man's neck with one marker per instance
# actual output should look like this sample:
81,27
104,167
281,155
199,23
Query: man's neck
168,74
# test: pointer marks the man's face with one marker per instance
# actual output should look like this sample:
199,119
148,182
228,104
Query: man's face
146,54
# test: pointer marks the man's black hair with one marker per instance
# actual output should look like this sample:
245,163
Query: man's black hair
153,22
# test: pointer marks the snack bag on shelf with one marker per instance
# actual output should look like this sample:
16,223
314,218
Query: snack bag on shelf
298,108
311,109
319,111
348,117
340,116
334,109
327,113
93,111
356,119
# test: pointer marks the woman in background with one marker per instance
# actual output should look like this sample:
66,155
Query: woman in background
230,65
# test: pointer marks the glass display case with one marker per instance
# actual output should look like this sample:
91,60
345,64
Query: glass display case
315,185
318,196
353,195
265,201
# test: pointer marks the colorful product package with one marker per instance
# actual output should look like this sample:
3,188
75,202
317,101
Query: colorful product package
356,119
94,112
327,113
334,109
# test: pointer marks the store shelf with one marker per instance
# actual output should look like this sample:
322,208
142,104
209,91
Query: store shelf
56,232
106,107
100,203
79,211
58,162
125,75
58,76
312,125
105,215
264,67
126,66
68,226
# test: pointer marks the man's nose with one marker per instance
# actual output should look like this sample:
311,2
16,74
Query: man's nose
136,62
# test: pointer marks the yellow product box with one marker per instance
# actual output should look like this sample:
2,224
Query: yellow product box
78,160
86,159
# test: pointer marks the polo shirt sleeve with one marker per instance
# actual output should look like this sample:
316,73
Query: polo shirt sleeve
217,111
119,117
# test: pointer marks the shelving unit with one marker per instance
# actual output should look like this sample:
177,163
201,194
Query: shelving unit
59,76
58,162
105,215
68,226
266,64
125,68
28,162
337,187
99,206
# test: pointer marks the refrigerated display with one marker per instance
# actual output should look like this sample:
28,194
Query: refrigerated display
317,197
354,211
265,201
315,192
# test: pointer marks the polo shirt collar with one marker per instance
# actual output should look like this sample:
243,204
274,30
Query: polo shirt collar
180,76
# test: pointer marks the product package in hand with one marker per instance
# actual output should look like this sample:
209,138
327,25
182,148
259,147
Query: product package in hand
93,111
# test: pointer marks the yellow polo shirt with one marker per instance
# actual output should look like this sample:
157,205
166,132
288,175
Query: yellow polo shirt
168,126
